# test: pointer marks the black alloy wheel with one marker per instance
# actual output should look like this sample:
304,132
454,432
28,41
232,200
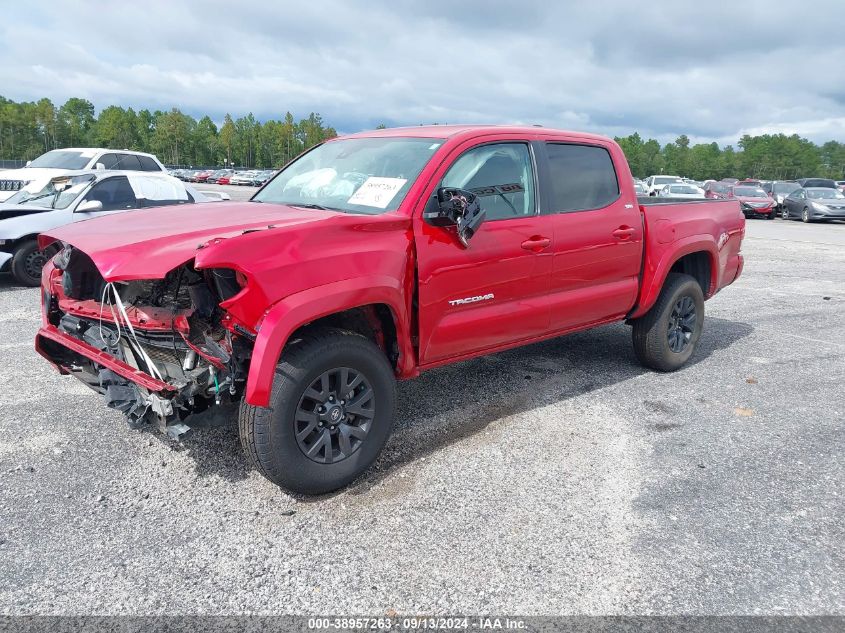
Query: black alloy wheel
666,336
334,415
681,324
331,409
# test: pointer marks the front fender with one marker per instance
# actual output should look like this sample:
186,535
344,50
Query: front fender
283,318
657,266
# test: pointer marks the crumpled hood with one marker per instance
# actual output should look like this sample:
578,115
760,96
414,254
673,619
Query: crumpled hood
148,243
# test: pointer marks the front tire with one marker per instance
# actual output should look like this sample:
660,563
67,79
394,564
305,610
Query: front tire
27,262
784,213
805,216
666,336
331,411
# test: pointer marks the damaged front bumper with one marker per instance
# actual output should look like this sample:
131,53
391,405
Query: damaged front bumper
138,395
161,355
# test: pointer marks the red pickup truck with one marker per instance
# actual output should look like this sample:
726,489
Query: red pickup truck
369,258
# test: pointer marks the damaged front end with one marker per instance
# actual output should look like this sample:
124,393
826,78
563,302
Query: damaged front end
160,351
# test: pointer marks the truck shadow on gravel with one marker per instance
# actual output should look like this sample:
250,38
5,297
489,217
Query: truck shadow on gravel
8,284
457,402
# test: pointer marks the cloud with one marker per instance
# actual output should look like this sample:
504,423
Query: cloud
611,67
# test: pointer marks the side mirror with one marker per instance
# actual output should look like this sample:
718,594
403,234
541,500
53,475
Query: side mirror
90,205
28,163
456,207
100,167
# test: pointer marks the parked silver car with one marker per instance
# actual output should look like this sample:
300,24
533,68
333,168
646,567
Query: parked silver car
682,190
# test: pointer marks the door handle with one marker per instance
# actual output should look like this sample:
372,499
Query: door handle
624,232
536,243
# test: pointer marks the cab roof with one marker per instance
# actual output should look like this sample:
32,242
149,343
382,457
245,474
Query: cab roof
469,131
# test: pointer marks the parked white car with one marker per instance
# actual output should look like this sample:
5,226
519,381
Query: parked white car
62,161
682,191
653,184
46,203
243,178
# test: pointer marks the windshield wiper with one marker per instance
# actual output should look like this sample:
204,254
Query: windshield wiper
308,205
43,195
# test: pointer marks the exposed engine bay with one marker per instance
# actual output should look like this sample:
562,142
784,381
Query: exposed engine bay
172,329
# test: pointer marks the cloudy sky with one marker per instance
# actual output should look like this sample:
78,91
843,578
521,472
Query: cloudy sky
713,71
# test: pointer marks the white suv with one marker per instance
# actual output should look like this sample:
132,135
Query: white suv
61,161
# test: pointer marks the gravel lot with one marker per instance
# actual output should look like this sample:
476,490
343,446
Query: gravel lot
561,478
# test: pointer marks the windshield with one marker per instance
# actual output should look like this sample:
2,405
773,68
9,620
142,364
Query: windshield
818,194
786,187
57,193
750,192
356,175
719,188
665,180
63,159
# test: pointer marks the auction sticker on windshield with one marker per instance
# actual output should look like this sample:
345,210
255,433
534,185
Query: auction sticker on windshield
377,192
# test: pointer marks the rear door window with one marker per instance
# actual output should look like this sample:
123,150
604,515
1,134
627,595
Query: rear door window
128,162
582,177
158,192
109,161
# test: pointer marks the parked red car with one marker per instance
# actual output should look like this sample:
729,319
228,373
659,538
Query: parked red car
202,176
754,201
224,180
717,190
374,257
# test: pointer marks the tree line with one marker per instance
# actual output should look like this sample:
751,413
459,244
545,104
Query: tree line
28,129
766,157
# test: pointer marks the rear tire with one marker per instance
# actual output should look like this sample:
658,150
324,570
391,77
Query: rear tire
666,336
343,440
27,262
